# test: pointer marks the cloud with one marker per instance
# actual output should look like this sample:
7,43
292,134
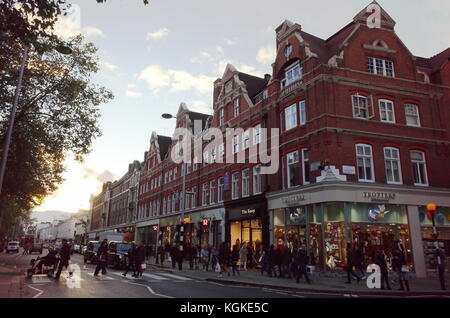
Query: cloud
266,55
206,57
220,66
101,177
133,94
176,80
159,34
108,65
230,41
200,106
68,27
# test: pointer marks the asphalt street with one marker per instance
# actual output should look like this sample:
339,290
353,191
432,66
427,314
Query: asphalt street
153,284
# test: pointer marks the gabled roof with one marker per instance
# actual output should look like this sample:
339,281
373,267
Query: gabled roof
434,63
164,145
253,83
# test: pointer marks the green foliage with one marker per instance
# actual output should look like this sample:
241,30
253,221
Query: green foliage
58,109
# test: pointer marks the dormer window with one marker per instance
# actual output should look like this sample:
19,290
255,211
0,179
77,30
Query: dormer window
228,86
292,74
288,50
380,67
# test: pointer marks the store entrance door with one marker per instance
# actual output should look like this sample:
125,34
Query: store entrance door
246,231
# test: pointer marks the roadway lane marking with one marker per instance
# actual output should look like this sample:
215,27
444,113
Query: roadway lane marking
299,296
174,276
150,290
40,292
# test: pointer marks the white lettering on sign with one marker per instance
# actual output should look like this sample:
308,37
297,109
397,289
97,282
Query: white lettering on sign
293,199
349,170
248,211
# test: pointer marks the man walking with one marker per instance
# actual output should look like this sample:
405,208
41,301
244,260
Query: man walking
350,265
139,259
102,254
380,260
65,257
301,262
131,260
440,262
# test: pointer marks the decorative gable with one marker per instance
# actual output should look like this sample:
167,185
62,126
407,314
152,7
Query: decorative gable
374,10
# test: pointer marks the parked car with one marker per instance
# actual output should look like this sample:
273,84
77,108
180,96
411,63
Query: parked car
90,254
12,246
36,247
117,254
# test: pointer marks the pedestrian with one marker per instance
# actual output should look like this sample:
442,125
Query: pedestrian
64,259
286,258
224,258
359,261
380,260
350,265
206,256
173,255
162,254
190,255
279,260
271,261
263,261
131,258
301,262
179,257
198,250
243,252
25,249
398,261
440,262
102,257
235,259
251,255
139,259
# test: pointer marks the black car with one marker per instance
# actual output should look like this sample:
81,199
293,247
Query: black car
117,254
36,247
91,252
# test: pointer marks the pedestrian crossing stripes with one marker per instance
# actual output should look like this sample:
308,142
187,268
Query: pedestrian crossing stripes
159,277
175,276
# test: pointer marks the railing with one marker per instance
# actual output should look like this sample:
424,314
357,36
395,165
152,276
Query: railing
260,97
291,87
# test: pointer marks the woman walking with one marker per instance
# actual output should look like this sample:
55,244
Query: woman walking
398,261
235,260
243,252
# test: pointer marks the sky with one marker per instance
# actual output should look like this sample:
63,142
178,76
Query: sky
157,56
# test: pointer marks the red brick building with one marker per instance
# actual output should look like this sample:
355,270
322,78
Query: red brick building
363,146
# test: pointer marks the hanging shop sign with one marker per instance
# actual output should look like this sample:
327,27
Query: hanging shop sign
155,228
294,199
377,212
379,196
205,222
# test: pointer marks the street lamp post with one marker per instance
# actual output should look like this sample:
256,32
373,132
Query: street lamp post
183,198
431,208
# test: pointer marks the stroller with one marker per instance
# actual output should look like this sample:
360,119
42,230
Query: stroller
46,269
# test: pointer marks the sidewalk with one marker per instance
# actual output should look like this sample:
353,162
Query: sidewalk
320,282
12,283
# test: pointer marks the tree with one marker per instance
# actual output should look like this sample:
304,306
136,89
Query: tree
58,112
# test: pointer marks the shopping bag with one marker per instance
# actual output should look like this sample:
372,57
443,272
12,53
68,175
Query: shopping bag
143,267
217,269
405,269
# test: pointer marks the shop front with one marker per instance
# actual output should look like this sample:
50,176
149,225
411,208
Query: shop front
442,222
147,232
246,222
168,230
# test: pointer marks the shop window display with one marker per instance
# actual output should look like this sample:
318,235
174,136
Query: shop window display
335,243
315,245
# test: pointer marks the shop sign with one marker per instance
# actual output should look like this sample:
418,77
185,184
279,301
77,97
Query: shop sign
292,200
351,170
377,212
248,212
155,228
379,196
205,222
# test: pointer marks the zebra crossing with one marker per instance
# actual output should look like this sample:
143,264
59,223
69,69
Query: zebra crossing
155,277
